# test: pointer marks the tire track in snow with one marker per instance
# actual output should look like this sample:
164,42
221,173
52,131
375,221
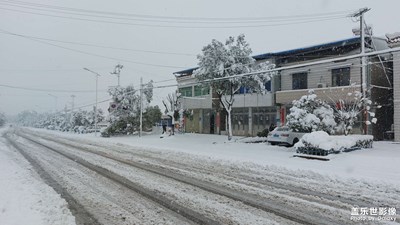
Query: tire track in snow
249,199
153,196
82,216
298,191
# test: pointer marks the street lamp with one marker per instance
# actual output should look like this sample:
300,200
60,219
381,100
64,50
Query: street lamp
56,99
95,110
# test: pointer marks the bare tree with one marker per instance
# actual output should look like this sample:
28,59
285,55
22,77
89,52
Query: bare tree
171,104
348,105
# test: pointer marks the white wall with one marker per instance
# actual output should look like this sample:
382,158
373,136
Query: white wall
321,74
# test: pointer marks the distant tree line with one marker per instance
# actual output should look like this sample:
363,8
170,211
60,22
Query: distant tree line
123,118
80,121
2,119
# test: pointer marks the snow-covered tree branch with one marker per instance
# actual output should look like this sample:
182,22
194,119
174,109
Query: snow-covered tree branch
218,65
171,104
124,115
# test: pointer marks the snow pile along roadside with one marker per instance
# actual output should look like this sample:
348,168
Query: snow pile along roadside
326,144
24,198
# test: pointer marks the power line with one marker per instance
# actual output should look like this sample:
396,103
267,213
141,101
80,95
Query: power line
45,90
92,54
270,20
176,26
100,46
44,70
212,19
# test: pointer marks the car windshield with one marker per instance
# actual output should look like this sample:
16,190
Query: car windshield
282,129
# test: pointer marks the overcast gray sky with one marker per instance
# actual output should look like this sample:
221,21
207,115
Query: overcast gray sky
165,45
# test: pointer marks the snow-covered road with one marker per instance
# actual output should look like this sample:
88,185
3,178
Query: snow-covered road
24,198
120,184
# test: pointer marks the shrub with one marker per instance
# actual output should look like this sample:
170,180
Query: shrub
263,133
320,143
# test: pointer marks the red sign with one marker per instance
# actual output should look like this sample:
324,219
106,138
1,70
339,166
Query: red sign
283,114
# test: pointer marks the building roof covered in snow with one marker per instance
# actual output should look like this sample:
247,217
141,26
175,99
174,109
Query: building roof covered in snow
304,50
393,38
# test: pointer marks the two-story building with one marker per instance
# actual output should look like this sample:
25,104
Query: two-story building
331,81
394,41
251,113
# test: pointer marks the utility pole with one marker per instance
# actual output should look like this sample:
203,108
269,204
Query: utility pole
360,14
117,71
363,58
95,110
141,107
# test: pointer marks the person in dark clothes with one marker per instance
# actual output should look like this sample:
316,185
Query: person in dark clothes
164,126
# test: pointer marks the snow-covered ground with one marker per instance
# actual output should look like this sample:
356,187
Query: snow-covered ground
378,164
373,173
24,197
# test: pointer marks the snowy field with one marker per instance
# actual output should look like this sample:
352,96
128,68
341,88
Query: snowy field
22,191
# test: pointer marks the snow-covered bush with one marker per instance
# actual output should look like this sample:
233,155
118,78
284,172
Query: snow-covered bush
263,133
124,117
311,114
321,143
83,118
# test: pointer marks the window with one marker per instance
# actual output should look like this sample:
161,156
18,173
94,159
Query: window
244,90
267,85
199,90
341,77
186,91
299,81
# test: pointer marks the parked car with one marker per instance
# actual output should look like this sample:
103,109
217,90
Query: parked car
284,136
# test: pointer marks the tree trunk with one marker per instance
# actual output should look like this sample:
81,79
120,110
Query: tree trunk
228,107
229,124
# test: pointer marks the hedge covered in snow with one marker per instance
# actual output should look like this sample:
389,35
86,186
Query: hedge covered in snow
321,143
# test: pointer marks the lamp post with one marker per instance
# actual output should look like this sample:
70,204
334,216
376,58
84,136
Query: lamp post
95,110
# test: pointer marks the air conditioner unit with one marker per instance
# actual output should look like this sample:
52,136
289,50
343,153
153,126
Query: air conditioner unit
321,85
